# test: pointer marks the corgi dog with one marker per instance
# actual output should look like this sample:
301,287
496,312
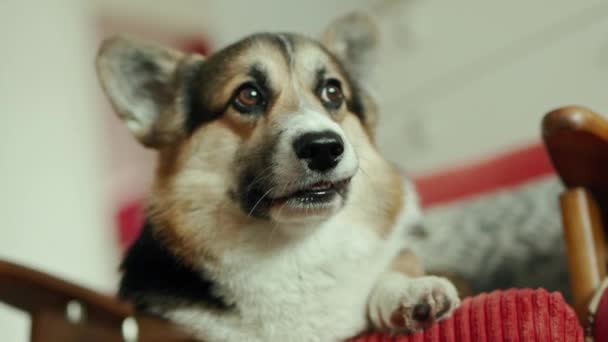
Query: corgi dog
272,217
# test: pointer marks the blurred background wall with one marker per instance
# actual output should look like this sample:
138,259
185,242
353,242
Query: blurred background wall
456,80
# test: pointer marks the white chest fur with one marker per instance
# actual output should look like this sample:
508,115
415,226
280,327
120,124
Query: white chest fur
316,289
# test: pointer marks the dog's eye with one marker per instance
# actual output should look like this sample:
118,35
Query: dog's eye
331,94
248,99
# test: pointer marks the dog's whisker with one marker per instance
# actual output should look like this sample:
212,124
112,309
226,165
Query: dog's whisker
275,226
364,172
259,201
263,175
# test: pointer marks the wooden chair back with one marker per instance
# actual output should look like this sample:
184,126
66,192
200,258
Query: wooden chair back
577,142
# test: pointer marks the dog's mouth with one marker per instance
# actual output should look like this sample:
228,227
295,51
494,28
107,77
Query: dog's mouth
312,199
316,193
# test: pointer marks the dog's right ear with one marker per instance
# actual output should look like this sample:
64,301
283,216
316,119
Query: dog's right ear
354,39
149,87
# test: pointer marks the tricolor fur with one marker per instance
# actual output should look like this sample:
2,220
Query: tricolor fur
273,217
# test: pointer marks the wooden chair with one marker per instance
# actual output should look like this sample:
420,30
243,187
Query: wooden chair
61,311
577,141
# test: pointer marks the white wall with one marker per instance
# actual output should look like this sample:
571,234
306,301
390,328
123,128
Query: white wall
53,203
477,76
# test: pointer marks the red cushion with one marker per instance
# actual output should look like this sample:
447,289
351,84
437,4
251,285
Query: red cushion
600,323
513,315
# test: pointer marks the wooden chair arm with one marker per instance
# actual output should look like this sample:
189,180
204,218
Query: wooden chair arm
43,295
30,290
585,247
577,142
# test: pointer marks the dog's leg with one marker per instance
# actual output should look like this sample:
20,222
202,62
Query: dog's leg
404,300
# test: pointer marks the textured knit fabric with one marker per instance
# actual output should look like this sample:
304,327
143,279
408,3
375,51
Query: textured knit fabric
513,315
508,239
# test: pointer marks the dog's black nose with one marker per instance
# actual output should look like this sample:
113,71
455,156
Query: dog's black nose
322,151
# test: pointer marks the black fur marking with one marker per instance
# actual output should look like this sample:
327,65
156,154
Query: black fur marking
198,112
319,80
252,198
285,42
261,80
153,275
254,182
355,103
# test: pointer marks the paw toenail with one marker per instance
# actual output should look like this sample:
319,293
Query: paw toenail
422,312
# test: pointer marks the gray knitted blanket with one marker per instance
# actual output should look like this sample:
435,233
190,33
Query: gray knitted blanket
511,238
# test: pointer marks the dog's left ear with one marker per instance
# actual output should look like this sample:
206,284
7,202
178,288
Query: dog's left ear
354,40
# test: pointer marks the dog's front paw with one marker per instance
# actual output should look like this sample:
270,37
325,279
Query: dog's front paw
415,303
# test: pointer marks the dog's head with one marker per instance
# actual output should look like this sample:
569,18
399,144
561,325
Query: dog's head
274,126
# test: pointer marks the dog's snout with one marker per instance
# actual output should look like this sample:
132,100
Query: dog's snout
322,151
